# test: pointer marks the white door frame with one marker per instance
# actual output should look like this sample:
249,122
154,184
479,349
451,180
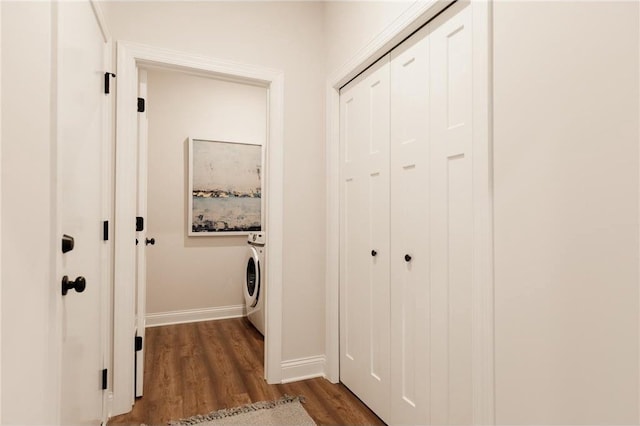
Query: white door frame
107,210
141,248
483,323
1,214
129,57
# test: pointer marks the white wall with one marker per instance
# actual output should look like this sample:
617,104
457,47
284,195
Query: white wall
286,36
566,202
193,272
566,212
29,395
351,25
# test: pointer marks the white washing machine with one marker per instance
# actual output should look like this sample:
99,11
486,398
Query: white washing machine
254,281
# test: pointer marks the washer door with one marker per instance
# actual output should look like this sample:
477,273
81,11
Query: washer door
252,278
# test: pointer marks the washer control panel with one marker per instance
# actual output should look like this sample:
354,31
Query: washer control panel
256,238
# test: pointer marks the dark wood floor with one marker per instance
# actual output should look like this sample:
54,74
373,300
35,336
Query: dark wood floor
201,367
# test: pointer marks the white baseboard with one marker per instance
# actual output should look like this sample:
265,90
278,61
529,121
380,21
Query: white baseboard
195,315
303,368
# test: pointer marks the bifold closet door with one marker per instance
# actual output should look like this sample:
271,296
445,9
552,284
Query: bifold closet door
406,228
409,159
364,238
451,217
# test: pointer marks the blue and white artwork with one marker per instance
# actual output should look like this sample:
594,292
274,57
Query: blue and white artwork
226,187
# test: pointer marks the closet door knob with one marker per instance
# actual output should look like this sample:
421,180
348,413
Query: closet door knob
407,258
374,253
78,285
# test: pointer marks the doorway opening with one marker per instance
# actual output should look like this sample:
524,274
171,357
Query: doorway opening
135,62
201,144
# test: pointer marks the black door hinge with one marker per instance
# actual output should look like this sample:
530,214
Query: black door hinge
107,76
140,104
139,224
104,378
105,230
138,343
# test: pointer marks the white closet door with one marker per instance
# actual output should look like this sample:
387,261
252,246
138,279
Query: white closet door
410,231
364,268
451,217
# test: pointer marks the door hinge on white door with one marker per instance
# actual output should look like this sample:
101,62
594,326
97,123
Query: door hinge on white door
141,105
138,344
105,376
107,76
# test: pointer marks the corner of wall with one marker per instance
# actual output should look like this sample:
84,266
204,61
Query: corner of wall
305,368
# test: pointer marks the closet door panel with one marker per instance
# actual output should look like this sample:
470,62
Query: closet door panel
409,161
451,217
352,237
364,298
354,242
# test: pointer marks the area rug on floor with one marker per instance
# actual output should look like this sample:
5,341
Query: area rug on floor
284,411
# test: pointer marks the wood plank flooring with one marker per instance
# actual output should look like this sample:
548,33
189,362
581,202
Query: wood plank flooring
201,367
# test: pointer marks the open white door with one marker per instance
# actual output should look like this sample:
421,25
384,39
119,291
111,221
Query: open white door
141,280
80,135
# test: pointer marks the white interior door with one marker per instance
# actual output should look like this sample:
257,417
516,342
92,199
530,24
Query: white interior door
364,274
80,136
410,262
141,280
451,217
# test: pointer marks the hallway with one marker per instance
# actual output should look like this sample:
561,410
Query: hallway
200,367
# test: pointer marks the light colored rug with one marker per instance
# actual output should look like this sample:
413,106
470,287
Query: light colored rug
284,411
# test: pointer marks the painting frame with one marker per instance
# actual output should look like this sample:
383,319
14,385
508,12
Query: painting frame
225,188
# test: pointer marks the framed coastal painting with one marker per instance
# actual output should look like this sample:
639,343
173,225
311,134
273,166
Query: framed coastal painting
225,188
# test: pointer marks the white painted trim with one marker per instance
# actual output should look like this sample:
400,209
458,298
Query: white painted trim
275,231
1,285
107,205
107,246
124,273
102,23
303,368
483,356
141,249
170,59
195,315
483,381
130,57
332,284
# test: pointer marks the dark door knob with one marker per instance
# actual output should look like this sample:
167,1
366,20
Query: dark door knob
78,285
407,258
151,241
373,252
